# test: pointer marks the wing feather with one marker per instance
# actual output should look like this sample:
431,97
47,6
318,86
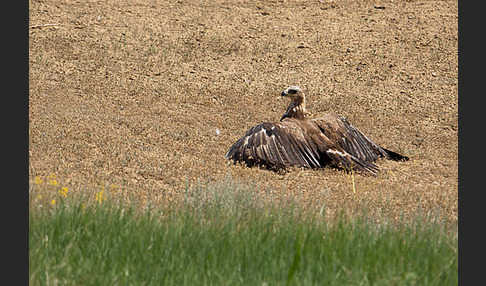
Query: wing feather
288,143
300,150
348,161
276,150
308,154
280,144
349,138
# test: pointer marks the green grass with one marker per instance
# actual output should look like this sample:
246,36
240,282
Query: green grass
225,236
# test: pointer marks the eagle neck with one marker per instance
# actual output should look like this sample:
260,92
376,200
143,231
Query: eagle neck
296,108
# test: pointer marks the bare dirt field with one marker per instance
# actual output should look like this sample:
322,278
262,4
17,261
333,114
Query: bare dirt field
131,93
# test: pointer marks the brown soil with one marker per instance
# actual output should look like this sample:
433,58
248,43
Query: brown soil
132,92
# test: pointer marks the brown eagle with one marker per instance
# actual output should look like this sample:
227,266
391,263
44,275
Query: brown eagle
299,141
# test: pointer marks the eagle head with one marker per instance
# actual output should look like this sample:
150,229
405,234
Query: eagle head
292,91
296,107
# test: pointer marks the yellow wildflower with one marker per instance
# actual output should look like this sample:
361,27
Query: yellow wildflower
99,196
38,180
52,179
63,192
53,202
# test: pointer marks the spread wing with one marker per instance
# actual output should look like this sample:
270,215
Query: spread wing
353,141
289,143
276,145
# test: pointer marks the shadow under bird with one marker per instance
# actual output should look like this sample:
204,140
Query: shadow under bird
299,141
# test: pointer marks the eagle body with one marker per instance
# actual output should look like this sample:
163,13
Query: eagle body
299,141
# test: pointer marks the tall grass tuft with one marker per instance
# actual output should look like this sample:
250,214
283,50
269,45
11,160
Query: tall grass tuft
225,234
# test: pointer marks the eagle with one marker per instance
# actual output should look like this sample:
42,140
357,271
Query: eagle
299,141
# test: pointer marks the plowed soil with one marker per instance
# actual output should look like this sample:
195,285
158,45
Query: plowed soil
132,93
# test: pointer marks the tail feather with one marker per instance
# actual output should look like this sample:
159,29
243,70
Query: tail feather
395,156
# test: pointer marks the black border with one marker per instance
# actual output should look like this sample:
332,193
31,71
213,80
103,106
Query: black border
15,209
468,243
